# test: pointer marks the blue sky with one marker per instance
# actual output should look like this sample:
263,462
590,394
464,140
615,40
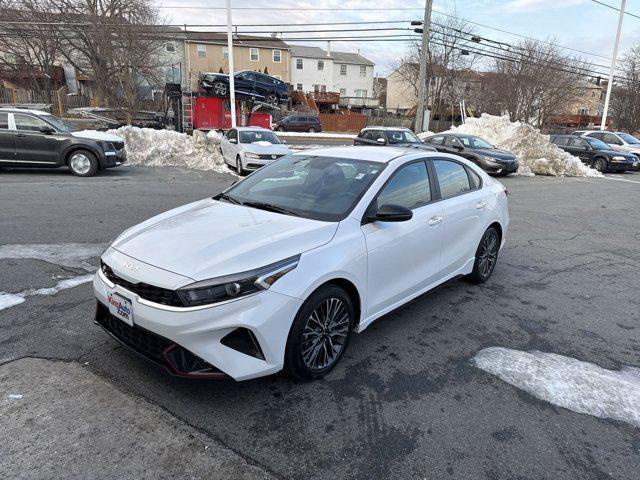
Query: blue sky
579,24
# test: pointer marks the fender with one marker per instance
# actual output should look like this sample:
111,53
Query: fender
84,145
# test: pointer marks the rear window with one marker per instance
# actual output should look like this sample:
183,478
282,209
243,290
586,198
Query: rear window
560,140
438,140
4,121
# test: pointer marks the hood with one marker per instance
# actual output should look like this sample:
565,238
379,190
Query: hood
266,148
208,239
621,153
96,135
495,153
626,148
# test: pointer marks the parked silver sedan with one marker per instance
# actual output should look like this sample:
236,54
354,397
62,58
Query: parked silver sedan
249,148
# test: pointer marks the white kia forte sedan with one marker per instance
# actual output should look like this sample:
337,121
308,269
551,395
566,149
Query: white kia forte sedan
281,269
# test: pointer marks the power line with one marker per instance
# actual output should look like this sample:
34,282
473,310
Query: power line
615,8
361,9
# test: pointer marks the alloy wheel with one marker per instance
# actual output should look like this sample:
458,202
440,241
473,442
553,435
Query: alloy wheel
220,89
272,99
600,165
80,163
488,255
325,334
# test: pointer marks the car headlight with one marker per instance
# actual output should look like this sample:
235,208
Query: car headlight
619,158
251,155
490,160
219,289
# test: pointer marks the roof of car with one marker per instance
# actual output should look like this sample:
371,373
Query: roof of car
373,127
373,153
23,110
242,129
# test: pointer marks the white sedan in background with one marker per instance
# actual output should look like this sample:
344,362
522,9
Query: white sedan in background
249,148
281,269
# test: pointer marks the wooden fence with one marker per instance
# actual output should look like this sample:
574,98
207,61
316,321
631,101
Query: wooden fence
353,123
58,101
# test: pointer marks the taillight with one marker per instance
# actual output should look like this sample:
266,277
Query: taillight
504,189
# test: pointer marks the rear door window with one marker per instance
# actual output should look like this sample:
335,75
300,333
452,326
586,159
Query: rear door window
4,121
437,140
452,178
562,141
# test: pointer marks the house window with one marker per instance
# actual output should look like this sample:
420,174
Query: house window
277,56
363,70
320,64
170,47
343,70
299,63
225,53
254,55
584,111
172,74
343,92
361,93
299,86
202,50
319,88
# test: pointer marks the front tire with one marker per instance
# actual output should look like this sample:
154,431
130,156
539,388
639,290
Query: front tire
280,129
241,171
600,164
220,89
272,99
83,163
312,130
320,333
486,257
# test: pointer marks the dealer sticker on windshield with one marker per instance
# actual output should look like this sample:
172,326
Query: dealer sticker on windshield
120,307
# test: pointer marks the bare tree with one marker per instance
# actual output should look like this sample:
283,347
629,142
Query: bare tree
533,81
625,97
28,48
117,43
449,60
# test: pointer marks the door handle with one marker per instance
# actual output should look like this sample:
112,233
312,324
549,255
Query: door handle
433,221
20,135
481,205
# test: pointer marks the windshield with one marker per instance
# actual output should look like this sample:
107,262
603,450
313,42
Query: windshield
60,124
259,136
629,138
596,144
402,136
475,142
316,187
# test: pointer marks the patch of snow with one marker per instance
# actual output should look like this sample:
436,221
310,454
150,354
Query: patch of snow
536,154
8,300
579,386
74,255
167,148
15,396
316,135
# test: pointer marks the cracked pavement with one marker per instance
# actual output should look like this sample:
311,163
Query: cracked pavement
404,402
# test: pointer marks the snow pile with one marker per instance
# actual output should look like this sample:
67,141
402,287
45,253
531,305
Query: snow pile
167,148
564,381
536,154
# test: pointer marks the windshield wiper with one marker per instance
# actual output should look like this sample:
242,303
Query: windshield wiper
224,196
271,208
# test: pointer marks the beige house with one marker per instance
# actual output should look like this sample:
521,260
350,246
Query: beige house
401,95
208,52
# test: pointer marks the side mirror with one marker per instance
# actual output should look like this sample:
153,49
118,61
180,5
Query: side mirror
233,140
458,147
381,141
391,213
46,130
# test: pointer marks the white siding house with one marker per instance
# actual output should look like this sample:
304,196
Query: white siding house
349,74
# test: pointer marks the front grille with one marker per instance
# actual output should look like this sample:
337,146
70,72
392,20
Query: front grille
269,156
118,145
178,360
154,294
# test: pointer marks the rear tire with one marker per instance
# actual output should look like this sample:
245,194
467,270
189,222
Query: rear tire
486,257
83,163
280,129
272,99
220,89
312,130
320,333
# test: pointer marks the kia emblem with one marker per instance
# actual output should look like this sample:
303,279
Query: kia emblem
131,266
274,156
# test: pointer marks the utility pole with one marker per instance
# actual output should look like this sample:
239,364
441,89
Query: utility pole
614,58
232,85
422,78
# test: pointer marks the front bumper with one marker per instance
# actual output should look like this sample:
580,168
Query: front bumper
198,331
628,164
114,159
499,167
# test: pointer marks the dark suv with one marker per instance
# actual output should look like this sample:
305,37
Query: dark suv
248,84
476,149
390,136
31,138
596,153
298,123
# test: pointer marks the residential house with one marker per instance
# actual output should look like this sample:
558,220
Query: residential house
208,52
350,75
584,110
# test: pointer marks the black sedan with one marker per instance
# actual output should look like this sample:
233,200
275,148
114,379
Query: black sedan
596,153
479,151
390,136
247,84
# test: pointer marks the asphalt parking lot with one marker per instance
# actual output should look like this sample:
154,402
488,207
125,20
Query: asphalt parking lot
405,402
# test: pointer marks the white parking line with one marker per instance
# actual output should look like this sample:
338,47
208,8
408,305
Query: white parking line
620,179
